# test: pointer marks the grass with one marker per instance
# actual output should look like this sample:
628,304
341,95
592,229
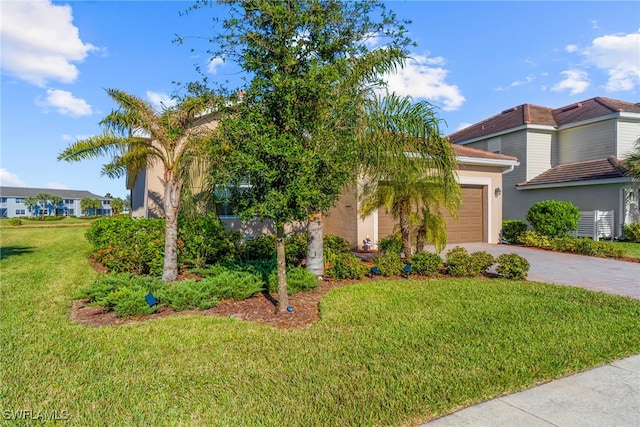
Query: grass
384,353
64,222
633,249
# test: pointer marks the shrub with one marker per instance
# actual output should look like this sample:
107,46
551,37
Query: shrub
391,244
203,240
295,247
631,232
512,266
237,285
389,264
298,280
553,218
426,263
512,229
344,266
336,244
261,247
458,262
15,221
188,295
531,238
479,262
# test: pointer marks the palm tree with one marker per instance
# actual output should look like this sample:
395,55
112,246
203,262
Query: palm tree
31,202
411,167
633,162
136,135
55,201
42,199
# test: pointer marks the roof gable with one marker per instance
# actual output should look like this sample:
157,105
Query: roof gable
608,168
532,114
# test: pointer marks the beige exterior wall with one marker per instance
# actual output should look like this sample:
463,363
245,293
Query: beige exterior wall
588,142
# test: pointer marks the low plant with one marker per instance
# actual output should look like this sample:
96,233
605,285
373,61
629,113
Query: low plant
533,238
298,280
336,244
426,263
457,262
512,229
512,266
14,221
344,266
389,264
479,263
391,244
236,285
631,232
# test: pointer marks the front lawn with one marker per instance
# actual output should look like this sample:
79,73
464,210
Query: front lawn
391,352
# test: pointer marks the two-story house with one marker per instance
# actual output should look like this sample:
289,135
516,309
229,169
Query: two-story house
574,153
13,203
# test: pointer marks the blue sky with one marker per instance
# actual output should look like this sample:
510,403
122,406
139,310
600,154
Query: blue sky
473,60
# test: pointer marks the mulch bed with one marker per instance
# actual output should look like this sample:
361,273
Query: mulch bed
260,308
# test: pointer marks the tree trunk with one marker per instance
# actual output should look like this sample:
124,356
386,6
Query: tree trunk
405,230
421,240
283,298
315,248
171,204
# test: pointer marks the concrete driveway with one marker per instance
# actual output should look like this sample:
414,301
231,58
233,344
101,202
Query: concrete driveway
598,274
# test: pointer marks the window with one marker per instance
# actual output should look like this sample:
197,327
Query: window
3,200
68,201
19,199
70,212
106,202
494,145
4,213
20,212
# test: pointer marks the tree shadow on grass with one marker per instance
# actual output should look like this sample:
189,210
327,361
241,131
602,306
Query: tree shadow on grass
7,251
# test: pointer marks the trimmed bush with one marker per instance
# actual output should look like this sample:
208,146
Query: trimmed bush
512,229
344,266
631,232
391,244
553,218
336,244
531,238
389,264
236,285
458,261
203,240
188,295
298,280
15,221
479,262
426,264
512,266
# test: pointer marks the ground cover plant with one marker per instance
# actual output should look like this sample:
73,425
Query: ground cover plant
632,249
384,352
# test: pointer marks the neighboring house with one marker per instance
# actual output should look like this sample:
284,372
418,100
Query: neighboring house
12,202
574,153
480,216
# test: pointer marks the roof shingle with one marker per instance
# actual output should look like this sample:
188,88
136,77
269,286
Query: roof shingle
589,170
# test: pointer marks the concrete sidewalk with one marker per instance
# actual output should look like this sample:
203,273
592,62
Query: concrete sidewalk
602,397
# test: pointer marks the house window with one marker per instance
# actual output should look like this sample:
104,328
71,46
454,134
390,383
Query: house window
68,201
494,145
106,202
20,212
3,200
4,213
70,211
19,199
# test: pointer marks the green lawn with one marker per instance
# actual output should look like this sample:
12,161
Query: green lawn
64,222
632,248
384,352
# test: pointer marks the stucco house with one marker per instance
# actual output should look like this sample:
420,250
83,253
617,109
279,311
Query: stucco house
12,202
480,217
574,153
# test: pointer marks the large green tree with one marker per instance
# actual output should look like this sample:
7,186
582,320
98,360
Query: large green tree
136,136
633,162
292,133
411,168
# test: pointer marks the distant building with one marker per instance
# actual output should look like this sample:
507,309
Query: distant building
12,203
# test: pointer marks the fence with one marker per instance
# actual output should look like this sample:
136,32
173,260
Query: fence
596,225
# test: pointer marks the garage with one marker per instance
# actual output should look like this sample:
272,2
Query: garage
471,223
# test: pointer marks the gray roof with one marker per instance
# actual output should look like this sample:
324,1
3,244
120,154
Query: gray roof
65,194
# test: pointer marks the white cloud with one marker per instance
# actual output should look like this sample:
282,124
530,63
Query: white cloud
424,77
576,81
571,48
214,63
160,100
10,179
526,81
619,56
65,103
40,42
463,125
372,40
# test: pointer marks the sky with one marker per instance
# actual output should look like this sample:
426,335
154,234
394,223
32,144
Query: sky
472,61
